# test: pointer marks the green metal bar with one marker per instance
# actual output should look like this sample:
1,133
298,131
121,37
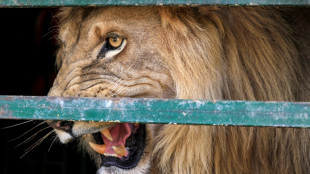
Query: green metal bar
244,113
52,3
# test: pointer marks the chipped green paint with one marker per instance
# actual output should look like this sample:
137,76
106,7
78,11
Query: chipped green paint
241,113
52,3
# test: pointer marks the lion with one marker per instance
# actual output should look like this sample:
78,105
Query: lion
205,52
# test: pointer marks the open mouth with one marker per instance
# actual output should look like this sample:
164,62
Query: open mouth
121,145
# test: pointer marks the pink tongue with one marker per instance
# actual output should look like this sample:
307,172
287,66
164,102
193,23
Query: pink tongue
119,134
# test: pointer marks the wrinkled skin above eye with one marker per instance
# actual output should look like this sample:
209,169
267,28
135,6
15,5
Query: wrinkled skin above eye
108,59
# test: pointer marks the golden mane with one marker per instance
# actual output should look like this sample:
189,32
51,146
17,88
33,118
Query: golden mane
214,53
232,53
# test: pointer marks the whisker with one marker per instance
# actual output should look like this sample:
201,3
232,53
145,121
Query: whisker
116,85
31,137
27,140
27,131
18,124
122,88
36,144
54,140
52,30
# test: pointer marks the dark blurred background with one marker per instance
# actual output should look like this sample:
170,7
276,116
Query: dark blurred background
27,50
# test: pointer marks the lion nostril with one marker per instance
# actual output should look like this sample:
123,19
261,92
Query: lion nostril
63,125
66,123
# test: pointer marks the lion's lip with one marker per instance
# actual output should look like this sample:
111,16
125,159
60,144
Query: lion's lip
134,145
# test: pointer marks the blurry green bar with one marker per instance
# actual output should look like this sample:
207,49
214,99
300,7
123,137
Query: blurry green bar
202,112
53,3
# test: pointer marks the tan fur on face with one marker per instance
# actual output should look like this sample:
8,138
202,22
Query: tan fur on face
230,53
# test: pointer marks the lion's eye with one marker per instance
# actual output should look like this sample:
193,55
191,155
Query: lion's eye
115,41
113,45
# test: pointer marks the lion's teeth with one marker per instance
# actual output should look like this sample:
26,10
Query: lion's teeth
119,150
100,148
107,134
108,154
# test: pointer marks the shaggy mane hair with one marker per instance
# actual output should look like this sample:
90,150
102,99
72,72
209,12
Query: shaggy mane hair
232,53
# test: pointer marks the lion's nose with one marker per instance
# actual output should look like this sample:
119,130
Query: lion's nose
62,125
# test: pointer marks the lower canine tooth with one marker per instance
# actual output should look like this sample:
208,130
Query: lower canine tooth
119,150
100,148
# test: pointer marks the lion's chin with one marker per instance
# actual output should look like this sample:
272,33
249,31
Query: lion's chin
140,169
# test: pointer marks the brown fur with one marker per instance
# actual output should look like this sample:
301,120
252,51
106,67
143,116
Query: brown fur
215,53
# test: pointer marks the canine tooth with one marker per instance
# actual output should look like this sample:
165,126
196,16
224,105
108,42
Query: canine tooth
107,134
100,148
119,150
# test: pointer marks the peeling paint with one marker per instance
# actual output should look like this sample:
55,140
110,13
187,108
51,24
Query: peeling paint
108,104
245,113
3,110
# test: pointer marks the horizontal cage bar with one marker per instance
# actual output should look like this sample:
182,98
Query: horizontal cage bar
53,3
173,111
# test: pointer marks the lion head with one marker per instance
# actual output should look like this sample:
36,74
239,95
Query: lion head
231,53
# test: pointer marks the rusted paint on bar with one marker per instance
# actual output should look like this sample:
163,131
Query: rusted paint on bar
241,113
